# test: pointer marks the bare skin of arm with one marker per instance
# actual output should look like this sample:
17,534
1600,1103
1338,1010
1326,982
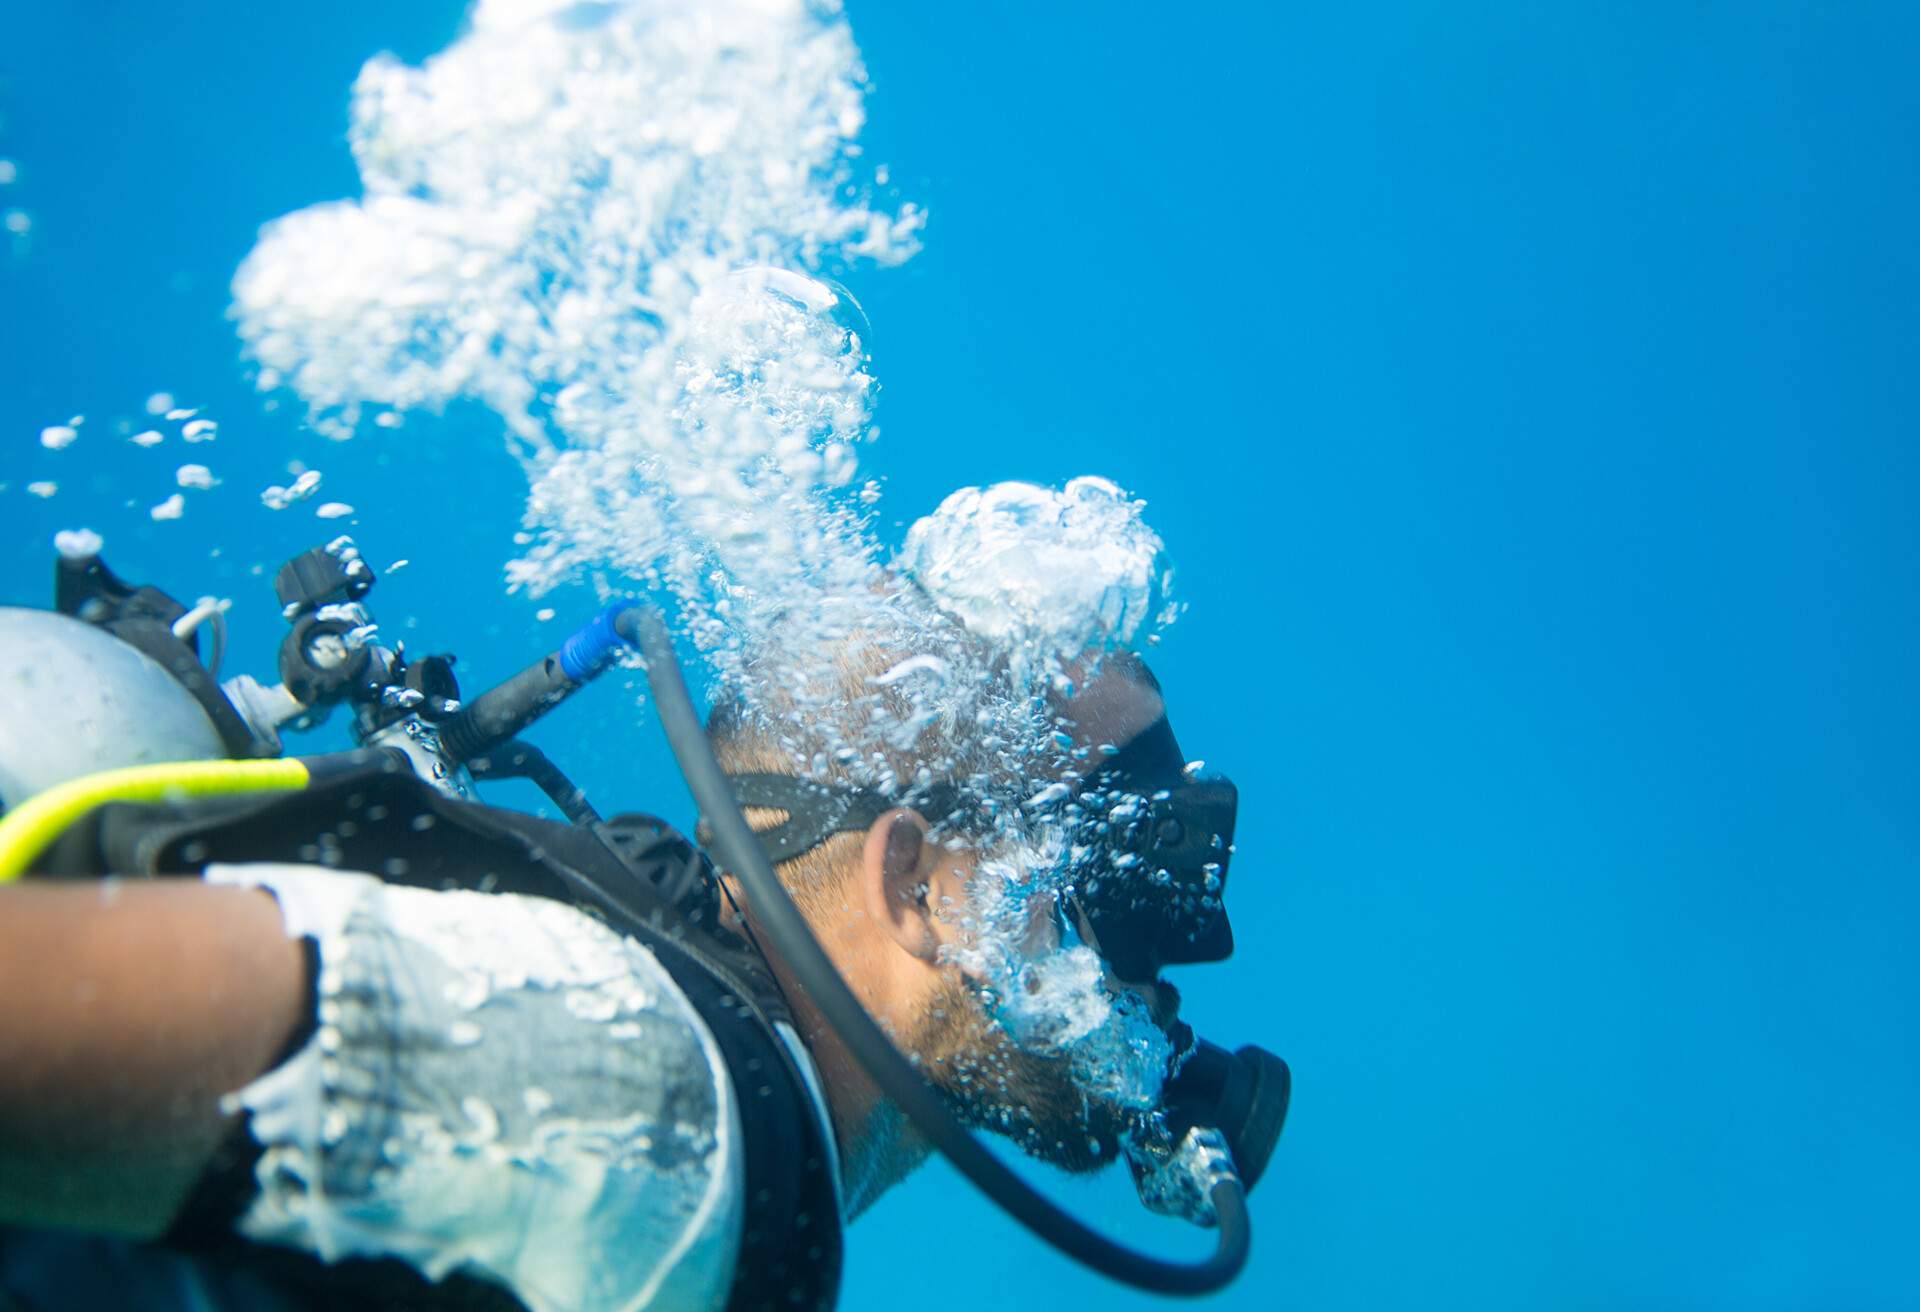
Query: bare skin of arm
127,1010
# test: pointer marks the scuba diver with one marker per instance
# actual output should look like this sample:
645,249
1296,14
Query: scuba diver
326,1031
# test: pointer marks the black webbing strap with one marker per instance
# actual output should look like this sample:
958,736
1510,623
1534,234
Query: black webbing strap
817,811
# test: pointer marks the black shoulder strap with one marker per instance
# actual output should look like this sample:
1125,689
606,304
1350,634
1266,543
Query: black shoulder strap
636,872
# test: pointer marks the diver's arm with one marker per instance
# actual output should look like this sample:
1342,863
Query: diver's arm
489,1084
127,1010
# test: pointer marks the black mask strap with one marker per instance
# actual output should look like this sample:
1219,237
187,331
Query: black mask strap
817,811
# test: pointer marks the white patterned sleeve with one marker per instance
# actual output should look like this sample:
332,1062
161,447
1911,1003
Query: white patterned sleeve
500,1085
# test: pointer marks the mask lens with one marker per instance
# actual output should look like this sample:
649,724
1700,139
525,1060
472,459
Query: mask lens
1155,895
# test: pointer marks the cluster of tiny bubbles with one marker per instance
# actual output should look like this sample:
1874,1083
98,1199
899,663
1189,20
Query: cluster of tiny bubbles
613,225
544,200
76,441
594,219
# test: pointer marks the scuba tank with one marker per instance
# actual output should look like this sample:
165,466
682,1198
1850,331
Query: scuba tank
112,677
80,700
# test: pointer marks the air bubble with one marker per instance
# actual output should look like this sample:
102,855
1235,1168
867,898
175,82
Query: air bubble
77,543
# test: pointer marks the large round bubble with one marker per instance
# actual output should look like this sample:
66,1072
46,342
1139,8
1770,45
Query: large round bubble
1050,571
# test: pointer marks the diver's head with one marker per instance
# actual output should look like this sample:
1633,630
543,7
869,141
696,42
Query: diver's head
893,881
889,901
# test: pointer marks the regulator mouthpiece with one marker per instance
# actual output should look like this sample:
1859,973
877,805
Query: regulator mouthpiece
1242,1094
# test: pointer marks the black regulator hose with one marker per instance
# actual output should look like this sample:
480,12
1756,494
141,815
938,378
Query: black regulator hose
739,852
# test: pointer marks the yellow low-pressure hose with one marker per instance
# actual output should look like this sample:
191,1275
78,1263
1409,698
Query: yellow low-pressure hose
26,831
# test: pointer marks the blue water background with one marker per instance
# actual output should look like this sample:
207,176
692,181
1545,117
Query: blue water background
1527,396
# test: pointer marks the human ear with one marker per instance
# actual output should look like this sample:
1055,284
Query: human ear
896,870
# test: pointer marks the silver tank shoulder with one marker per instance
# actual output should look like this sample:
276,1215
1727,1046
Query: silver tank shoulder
75,700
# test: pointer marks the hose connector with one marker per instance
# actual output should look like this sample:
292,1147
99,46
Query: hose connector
503,711
594,643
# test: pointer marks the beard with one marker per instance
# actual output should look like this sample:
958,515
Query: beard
1031,1098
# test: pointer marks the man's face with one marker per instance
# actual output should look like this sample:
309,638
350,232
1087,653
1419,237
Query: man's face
1009,1037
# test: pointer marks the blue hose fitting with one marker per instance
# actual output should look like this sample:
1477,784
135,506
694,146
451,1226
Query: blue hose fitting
587,652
